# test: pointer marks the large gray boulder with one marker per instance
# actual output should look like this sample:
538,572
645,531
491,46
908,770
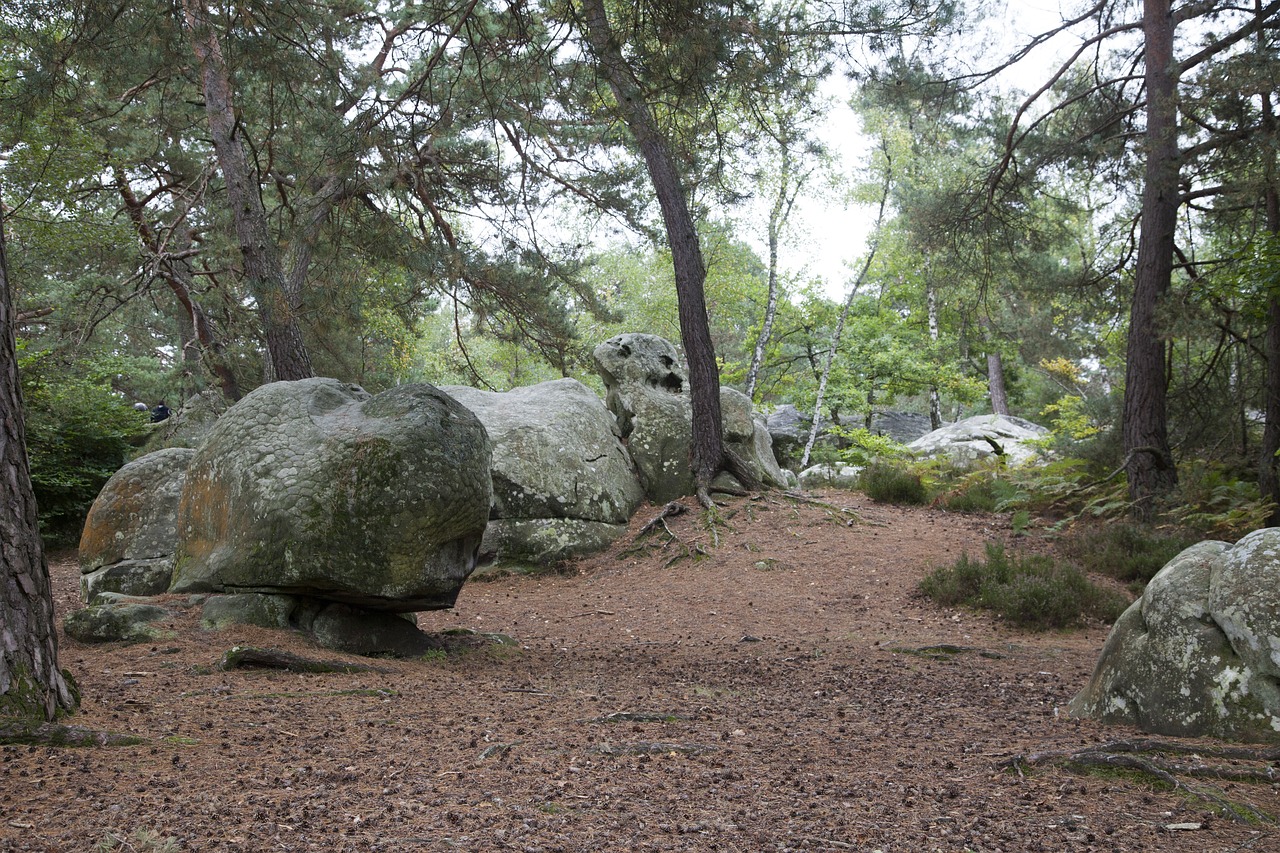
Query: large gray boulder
982,437
648,392
563,484
130,534
190,424
314,488
1199,653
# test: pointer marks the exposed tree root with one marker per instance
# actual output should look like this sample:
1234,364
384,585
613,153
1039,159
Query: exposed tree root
671,510
14,731
1158,760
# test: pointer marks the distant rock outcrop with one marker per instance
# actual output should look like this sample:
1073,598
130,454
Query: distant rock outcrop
314,488
563,484
1198,655
131,531
981,437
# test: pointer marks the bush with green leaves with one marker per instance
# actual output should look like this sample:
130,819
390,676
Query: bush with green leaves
1130,553
862,446
79,432
895,484
1029,591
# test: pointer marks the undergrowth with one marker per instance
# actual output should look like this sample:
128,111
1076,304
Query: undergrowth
1029,591
1130,553
895,484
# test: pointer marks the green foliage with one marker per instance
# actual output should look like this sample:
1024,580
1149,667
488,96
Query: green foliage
1029,591
79,432
894,484
1217,500
986,489
862,446
1131,553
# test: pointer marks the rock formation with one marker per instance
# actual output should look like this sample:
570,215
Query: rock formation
314,488
563,484
130,533
648,392
1199,653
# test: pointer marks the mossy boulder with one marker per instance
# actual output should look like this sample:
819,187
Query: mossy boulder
648,393
122,622
315,488
130,534
1199,653
563,484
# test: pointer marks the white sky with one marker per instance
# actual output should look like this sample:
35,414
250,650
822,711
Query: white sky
828,237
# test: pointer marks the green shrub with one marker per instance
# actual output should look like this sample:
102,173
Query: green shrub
79,432
1131,553
892,484
1029,591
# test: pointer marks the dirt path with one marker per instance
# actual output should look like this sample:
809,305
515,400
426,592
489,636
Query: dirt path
769,696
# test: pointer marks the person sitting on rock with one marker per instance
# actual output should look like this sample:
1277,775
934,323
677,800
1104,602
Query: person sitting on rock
159,413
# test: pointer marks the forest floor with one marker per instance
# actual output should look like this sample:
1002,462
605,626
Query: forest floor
789,690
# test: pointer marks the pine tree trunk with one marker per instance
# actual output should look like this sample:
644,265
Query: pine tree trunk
995,384
1269,463
263,271
1148,459
31,685
708,451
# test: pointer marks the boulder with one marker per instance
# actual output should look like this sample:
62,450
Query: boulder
314,488
1198,655
247,608
746,433
648,394
789,430
831,477
116,622
563,484
902,427
130,534
188,426
982,437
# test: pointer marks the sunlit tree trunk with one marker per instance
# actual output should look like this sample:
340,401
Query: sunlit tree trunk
931,307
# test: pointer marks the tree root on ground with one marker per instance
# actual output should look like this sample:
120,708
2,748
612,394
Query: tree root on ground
30,733
1159,761
245,657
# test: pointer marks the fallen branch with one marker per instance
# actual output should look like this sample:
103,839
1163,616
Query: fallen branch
245,657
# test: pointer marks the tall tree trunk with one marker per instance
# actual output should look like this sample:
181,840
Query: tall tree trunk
995,373
31,685
931,307
1148,459
263,271
709,453
995,384
778,214
1269,463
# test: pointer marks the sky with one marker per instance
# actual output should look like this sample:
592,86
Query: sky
829,237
